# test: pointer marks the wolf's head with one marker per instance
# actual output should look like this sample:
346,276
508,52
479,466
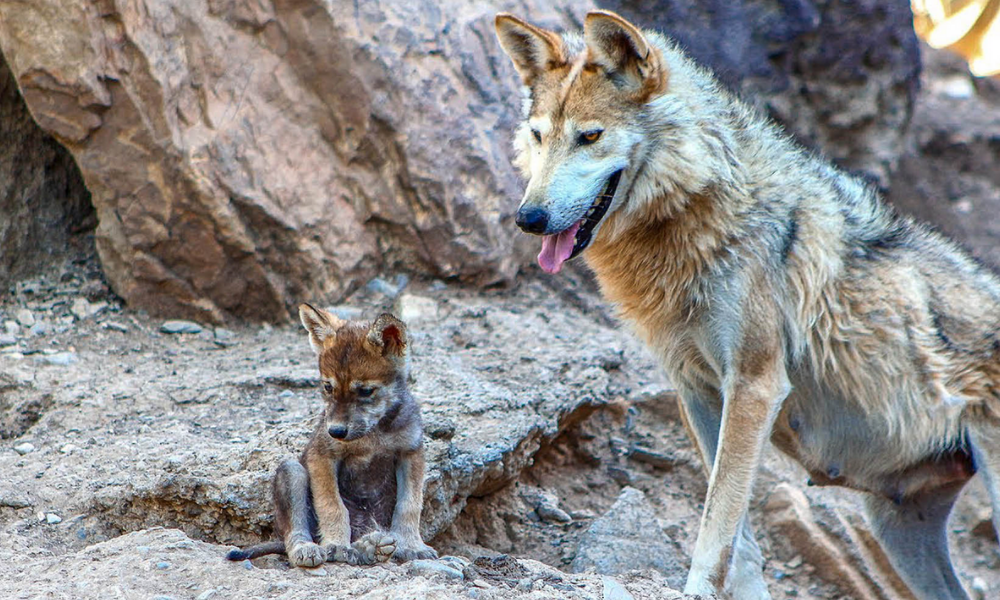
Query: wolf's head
363,369
597,109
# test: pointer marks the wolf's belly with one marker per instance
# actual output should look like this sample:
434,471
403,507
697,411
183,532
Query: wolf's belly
368,490
896,455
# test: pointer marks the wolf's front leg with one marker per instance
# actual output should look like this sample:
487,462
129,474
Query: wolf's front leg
752,398
291,515
334,520
409,502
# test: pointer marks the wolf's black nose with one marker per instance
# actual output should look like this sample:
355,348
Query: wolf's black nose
338,432
532,220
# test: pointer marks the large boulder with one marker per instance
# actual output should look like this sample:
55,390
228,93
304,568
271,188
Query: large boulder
243,155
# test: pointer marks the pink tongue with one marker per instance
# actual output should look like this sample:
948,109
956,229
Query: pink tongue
556,249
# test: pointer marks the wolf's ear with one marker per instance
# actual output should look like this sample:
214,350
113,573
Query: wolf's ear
389,334
620,49
320,325
534,50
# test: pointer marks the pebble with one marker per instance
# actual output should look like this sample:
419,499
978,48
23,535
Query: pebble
430,568
53,519
286,394
205,595
978,588
82,309
24,448
315,572
59,359
412,308
224,337
113,326
25,318
614,590
7,339
163,565
383,287
180,327
39,329
11,328
69,448
345,312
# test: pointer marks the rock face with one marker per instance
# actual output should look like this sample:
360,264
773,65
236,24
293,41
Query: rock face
629,537
245,155
42,197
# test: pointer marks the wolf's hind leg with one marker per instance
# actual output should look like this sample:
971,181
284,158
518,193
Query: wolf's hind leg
294,517
701,412
913,535
986,454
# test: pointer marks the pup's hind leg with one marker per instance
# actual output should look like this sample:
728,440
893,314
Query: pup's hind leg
701,412
913,535
294,516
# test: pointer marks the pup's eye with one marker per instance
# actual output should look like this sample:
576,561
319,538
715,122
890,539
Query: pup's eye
589,137
365,391
537,134
327,387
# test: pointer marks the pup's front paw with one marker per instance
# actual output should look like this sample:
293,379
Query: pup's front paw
375,547
307,554
412,549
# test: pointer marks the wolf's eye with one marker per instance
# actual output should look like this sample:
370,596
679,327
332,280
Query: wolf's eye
365,391
537,134
589,137
327,387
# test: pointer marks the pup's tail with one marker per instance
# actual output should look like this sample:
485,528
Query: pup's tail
258,550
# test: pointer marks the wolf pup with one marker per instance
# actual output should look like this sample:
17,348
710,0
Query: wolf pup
784,299
356,493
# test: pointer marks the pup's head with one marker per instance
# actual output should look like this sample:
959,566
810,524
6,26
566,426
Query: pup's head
362,369
585,129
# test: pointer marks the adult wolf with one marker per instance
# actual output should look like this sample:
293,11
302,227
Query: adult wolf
784,299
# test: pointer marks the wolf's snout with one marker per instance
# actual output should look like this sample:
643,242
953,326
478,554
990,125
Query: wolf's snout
338,432
532,219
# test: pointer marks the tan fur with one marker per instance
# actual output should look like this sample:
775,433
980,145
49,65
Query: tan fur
783,297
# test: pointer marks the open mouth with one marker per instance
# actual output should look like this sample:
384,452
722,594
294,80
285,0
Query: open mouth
567,244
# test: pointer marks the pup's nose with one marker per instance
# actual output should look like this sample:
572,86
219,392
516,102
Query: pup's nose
338,432
532,219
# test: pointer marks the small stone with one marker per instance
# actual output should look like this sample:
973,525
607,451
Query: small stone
163,565
978,588
14,501
383,287
545,503
956,87
430,568
174,327
652,458
114,326
59,359
205,595
11,328
80,309
286,394
24,317
795,562
412,308
53,519
7,339
345,312
315,572
224,337
24,448
40,328
69,448
614,590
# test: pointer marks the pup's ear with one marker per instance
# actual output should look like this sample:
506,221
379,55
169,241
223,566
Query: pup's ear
320,325
532,49
623,52
389,334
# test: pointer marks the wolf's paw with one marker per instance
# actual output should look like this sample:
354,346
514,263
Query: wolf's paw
407,550
374,547
307,555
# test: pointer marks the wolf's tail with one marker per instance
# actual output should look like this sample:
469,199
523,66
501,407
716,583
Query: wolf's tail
255,551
